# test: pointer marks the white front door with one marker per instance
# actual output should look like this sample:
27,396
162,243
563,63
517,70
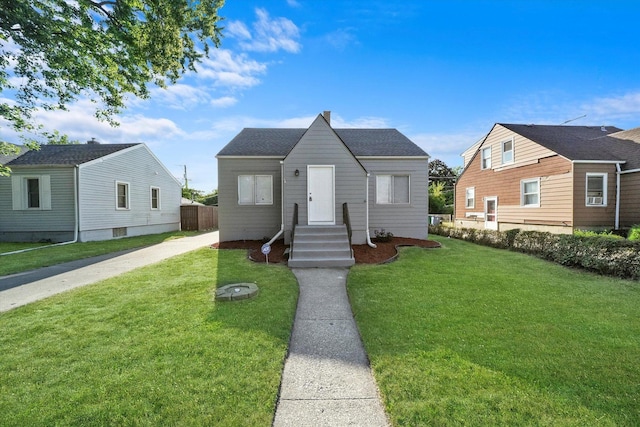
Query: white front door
491,213
321,195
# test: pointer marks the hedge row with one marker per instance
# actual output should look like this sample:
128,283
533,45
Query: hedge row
600,254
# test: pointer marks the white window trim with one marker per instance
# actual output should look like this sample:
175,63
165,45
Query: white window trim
483,158
605,178
467,205
128,191
151,198
513,151
20,197
254,182
522,193
408,202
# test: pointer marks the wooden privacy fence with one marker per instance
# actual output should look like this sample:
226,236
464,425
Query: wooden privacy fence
198,218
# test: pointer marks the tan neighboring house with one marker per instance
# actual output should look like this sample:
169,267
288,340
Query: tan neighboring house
550,178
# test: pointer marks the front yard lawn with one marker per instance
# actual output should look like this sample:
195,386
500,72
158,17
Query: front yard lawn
469,335
151,347
15,263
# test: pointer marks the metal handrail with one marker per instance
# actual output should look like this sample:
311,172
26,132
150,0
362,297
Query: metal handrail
294,224
346,220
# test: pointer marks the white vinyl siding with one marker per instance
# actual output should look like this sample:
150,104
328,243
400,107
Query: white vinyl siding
470,197
596,189
507,152
122,195
530,192
392,189
255,189
486,158
155,198
31,192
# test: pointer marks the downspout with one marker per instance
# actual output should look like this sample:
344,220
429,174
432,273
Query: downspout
369,242
618,170
76,218
282,180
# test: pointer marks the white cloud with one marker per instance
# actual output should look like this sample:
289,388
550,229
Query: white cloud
293,3
238,30
231,70
270,34
225,101
447,146
179,96
621,107
341,38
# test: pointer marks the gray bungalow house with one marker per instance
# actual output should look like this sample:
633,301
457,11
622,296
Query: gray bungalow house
83,192
319,183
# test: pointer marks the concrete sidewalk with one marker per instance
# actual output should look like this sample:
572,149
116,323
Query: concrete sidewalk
23,288
327,380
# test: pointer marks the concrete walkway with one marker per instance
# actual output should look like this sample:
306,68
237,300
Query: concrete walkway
327,380
23,288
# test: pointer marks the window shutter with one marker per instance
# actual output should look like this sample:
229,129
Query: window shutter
16,190
45,192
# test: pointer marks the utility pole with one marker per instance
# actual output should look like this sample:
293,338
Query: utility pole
186,180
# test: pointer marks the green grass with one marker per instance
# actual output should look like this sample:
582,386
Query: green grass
469,335
151,347
16,263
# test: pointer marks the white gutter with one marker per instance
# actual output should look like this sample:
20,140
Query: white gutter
369,242
282,180
75,230
618,170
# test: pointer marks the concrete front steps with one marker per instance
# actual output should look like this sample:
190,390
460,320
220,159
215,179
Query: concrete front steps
321,246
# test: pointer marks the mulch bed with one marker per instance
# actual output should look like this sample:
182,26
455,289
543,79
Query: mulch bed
385,252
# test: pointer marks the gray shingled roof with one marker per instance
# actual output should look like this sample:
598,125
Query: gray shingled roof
599,143
362,142
66,155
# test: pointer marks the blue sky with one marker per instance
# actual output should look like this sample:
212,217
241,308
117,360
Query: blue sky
442,72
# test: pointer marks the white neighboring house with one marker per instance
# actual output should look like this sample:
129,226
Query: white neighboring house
87,192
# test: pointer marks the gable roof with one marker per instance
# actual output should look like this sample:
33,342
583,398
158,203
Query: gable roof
66,155
4,159
581,143
278,142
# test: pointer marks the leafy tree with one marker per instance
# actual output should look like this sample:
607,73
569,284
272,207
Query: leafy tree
54,51
210,199
57,138
437,198
440,173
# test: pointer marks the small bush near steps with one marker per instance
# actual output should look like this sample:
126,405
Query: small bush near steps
600,253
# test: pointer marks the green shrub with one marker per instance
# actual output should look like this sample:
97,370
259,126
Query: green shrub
634,233
592,233
603,253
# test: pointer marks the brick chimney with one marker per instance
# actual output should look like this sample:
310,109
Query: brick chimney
327,116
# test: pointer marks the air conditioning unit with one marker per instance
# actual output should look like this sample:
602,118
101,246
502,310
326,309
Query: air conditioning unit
594,200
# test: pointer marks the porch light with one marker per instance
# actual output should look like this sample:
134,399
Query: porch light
297,172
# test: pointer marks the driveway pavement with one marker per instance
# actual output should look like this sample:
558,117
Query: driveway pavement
23,288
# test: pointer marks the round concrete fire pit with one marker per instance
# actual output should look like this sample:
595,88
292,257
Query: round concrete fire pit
236,291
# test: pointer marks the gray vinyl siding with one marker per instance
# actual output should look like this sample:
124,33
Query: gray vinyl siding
321,146
247,222
141,170
403,220
56,224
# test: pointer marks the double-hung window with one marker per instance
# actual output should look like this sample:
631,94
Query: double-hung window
122,195
392,189
155,198
530,192
255,189
470,197
31,192
486,158
507,151
596,189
